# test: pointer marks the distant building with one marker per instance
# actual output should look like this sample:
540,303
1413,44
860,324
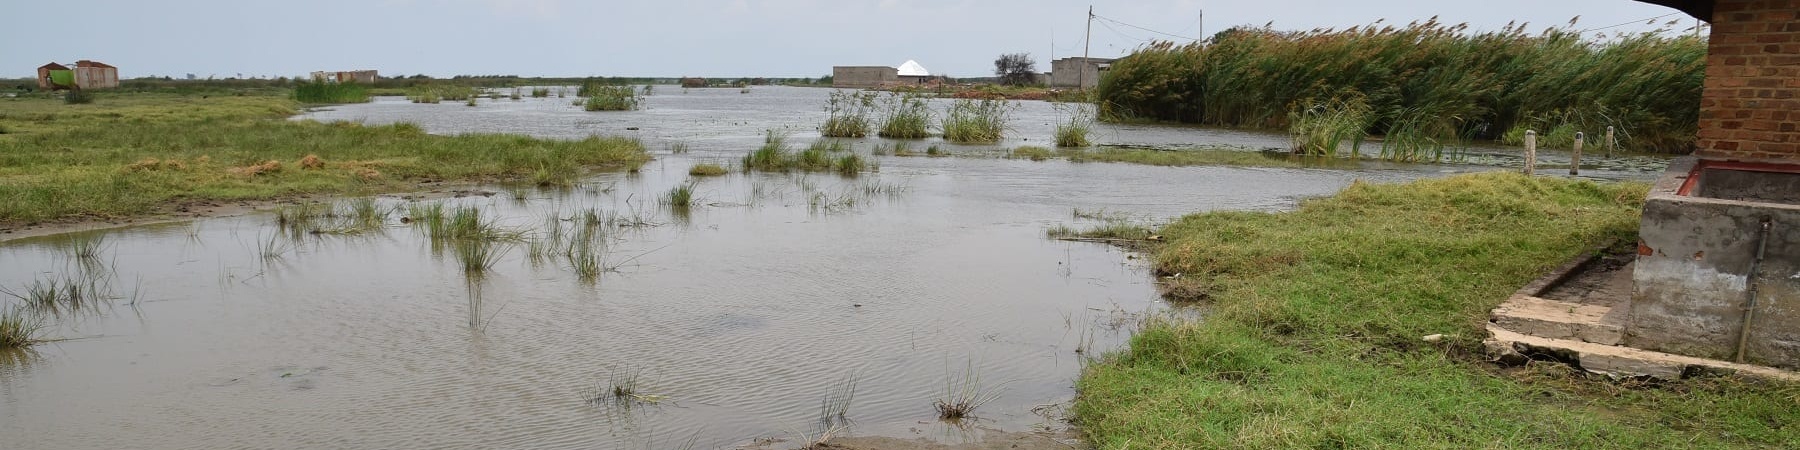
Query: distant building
85,75
909,73
348,76
1078,72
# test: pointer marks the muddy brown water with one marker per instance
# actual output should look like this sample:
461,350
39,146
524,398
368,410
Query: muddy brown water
740,314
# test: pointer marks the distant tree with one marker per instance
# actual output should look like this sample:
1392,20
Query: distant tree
1016,69
825,79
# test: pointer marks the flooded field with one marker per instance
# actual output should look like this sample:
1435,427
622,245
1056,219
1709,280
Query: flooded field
758,313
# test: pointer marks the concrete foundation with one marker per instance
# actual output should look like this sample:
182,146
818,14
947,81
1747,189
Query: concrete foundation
1705,259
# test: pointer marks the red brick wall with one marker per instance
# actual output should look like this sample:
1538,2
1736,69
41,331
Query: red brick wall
1750,110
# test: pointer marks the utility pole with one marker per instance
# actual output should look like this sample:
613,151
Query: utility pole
1202,39
1081,81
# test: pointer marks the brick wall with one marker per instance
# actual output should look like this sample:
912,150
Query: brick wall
1751,107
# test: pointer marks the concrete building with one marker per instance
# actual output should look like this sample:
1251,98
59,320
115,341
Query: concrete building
85,75
1078,72
1718,265
864,77
348,76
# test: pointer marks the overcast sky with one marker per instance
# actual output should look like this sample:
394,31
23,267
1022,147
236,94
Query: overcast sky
717,38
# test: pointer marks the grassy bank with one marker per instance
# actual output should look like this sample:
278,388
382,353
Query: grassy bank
1427,83
134,154
1313,332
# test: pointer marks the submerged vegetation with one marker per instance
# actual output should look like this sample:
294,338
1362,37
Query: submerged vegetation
1425,85
978,121
140,153
775,156
609,98
848,114
19,328
1315,318
1074,132
905,116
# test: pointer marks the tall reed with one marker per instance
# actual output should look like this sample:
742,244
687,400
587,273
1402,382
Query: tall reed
977,121
1426,81
848,114
905,116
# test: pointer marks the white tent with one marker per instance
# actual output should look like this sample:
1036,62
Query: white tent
913,69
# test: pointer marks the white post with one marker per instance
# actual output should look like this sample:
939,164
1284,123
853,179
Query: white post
1530,151
1610,142
1575,159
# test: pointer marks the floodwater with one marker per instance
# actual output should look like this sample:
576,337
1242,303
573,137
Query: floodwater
738,316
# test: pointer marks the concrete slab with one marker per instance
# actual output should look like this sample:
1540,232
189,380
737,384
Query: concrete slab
1622,361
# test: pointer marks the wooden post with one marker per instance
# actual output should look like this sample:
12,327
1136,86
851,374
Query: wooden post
1530,151
1610,142
1575,159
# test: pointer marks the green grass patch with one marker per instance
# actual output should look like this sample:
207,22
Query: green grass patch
977,121
905,116
319,92
848,114
1074,132
19,328
1033,153
139,153
774,156
707,170
610,98
1312,336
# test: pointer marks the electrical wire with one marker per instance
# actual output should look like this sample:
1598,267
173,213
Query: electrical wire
1109,19
1631,22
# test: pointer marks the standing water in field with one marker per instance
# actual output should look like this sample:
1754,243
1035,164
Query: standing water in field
631,311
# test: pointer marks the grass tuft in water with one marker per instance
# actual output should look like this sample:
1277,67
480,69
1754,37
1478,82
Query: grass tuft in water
1320,128
1074,132
905,116
1031,152
963,395
977,121
848,114
609,98
19,328
707,170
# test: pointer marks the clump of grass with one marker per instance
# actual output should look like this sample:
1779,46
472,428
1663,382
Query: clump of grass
1110,228
774,156
611,98
19,328
681,196
835,407
977,121
905,116
87,246
936,151
1320,128
540,92
848,114
707,170
1074,132
851,165
77,97
471,102
678,148
515,94
963,395
1031,152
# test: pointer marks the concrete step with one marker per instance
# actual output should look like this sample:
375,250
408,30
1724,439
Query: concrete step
1514,348
1555,319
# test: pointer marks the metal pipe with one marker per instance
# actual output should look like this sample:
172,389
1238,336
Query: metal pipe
1762,247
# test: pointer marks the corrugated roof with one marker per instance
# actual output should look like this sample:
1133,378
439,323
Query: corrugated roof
1700,9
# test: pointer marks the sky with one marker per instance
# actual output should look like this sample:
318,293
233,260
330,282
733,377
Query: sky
670,38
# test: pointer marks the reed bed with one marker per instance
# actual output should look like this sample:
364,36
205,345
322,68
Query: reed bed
775,156
610,98
319,92
1424,84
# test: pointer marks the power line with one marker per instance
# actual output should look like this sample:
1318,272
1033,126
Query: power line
1176,36
1629,23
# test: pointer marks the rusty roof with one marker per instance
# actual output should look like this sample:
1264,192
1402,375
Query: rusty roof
54,66
87,63
1700,9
